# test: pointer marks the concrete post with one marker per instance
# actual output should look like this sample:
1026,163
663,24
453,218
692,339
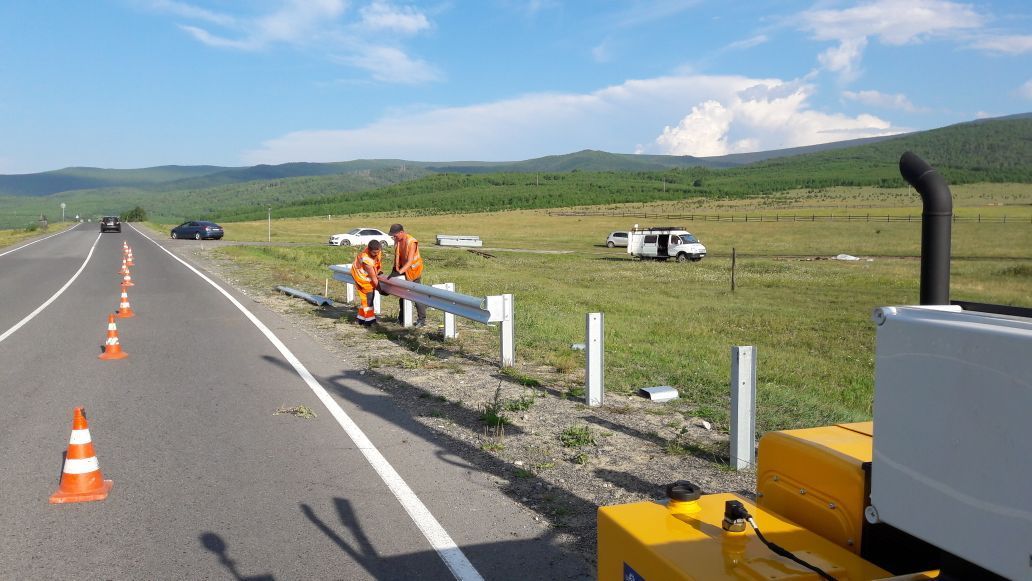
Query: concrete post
376,302
743,407
594,347
351,292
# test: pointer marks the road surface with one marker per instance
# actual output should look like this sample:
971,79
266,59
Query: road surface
208,482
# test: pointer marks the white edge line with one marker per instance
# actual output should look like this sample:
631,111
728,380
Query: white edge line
32,315
40,240
439,539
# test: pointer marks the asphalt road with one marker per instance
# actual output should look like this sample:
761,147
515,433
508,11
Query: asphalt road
208,483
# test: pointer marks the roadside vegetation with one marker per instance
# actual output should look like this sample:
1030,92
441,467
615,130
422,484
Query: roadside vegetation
675,324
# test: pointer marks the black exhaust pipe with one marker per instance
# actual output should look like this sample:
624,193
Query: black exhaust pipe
936,217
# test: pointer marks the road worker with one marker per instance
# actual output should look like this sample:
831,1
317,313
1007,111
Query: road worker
366,270
407,263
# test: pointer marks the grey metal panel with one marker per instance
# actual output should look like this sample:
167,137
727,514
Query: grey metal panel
473,308
952,439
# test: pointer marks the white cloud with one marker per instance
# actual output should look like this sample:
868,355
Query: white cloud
891,22
381,15
737,114
748,42
370,41
898,101
844,59
767,116
1009,45
703,132
1025,90
194,12
601,52
392,65
983,115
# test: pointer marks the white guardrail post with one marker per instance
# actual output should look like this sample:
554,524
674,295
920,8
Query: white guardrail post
449,319
508,334
351,292
406,313
594,347
376,302
743,407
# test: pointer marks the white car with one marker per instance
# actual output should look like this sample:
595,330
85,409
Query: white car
361,237
615,239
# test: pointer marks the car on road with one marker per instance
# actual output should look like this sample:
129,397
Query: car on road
361,237
198,230
616,239
110,224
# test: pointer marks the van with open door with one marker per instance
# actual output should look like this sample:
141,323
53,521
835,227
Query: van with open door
663,242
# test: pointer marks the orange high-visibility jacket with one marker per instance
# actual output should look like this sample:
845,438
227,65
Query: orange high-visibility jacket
408,247
363,281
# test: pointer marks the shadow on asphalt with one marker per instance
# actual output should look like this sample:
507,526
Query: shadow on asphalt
216,545
509,560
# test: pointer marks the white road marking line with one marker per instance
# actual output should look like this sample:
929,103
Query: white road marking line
439,539
40,240
32,315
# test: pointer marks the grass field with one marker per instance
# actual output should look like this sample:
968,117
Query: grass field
12,237
675,324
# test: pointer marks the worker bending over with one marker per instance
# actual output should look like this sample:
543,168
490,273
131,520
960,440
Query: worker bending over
366,270
407,263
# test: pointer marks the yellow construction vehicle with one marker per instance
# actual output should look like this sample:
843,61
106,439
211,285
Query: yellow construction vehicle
942,489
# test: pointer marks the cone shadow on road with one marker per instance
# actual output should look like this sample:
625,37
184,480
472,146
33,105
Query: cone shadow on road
553,504
215,544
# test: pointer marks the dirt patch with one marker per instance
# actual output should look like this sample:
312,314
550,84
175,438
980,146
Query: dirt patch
551,454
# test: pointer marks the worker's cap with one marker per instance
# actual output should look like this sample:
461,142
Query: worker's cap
395,228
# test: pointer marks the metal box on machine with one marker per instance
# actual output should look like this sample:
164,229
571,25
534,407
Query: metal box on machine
953,443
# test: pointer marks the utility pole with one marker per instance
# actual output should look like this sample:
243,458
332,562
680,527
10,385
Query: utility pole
270,223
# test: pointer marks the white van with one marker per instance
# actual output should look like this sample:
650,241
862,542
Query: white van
665,242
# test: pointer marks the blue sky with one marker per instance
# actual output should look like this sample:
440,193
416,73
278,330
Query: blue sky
138,83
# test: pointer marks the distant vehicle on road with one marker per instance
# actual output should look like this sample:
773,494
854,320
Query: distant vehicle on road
110,224
361,237
616,239
198,230
661,243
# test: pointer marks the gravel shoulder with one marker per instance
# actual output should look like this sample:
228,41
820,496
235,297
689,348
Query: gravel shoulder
563,459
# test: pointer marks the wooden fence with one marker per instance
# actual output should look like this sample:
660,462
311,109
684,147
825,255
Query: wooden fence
915,218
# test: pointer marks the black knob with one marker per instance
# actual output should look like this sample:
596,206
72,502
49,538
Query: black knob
683,491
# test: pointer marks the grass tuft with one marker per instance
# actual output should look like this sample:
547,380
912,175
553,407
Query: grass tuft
576,436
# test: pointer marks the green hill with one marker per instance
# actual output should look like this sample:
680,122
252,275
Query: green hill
998,150
985,151
82,178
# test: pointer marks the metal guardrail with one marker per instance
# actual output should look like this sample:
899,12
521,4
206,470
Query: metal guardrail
316,300
486,310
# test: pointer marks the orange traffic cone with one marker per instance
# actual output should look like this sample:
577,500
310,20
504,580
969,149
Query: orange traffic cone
81,480
124,310
129,257
112,349
125,267
127,279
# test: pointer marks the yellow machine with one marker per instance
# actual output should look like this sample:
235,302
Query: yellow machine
941,489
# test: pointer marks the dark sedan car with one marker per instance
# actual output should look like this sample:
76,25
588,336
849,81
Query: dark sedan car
198,230
110,224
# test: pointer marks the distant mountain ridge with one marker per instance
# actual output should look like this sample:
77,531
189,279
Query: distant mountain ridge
174,178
